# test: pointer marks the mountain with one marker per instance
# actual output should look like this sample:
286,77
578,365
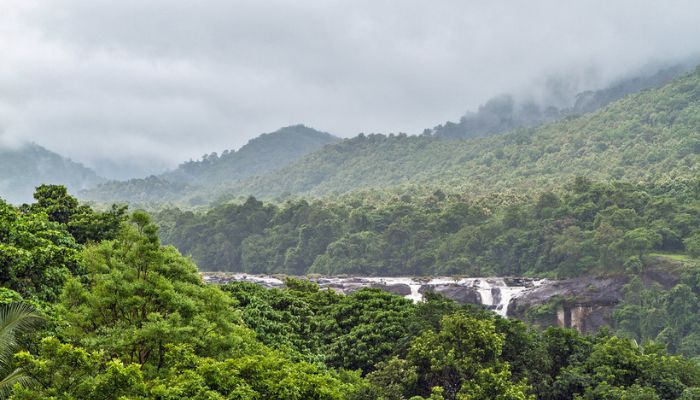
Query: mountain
30,165
267,152
196,182
651,135
503,113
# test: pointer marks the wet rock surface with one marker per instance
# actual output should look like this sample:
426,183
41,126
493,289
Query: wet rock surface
460,294
585,304
400,289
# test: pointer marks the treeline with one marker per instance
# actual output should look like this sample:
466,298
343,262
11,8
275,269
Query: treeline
585,227
128,318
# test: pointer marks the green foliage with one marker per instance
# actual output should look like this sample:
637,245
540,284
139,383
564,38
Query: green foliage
692,245
15,319
40,243
135,321
650,313
141,324
36,255
586,227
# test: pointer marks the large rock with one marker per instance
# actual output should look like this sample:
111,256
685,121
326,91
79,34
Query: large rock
460,294
585,303
396,288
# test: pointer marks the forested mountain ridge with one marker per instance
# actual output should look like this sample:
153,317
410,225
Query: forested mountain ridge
651,135
30,165
193,180
267,152
503,113
585,228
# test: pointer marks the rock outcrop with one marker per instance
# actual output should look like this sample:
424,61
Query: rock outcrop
584,304
460,294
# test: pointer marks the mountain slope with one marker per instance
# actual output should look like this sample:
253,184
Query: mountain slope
267,152
504,113
651,135
24,168
197,182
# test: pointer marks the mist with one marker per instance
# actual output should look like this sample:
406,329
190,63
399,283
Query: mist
131,88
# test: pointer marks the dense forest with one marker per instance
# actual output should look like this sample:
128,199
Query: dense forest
585,227
123,317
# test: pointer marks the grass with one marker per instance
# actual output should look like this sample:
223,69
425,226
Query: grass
674,256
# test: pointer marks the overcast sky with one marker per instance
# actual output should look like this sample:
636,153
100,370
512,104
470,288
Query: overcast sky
164,81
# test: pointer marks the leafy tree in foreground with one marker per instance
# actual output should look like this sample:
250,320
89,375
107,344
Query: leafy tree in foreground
142,324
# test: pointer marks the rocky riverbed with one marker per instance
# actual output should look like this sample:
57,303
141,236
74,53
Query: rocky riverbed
585,303
492,292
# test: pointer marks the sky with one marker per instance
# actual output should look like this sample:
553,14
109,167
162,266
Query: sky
132,87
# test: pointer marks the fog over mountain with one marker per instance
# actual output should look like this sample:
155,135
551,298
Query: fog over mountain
130,88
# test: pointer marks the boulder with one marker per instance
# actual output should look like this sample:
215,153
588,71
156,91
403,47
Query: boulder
460,294
396,288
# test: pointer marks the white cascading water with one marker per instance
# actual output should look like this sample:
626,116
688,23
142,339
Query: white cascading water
494,293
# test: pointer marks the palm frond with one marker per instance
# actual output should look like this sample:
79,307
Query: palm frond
8,382
16,317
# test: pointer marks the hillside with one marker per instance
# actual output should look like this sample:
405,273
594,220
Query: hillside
651,135
503,113
267,152
196,182
24,168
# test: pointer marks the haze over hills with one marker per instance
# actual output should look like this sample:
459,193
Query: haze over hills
651,135
196,180
504,112
25,167
294,160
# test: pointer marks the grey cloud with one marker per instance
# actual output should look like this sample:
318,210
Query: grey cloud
156,82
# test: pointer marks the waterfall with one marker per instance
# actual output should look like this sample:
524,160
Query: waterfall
484,289
493,293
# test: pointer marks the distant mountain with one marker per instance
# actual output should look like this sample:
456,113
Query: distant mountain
197,182
651,135
28,166
267,152
504,113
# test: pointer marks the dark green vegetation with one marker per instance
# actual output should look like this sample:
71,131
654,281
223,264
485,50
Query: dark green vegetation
198,182
584,228
127,318
670,317
25,167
